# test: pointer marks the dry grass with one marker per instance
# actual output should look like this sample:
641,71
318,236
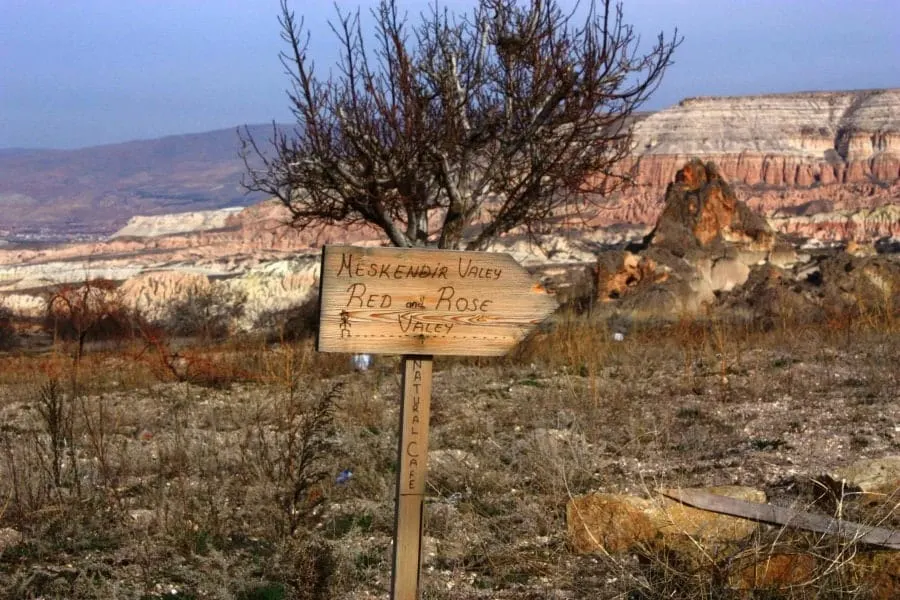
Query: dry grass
138,471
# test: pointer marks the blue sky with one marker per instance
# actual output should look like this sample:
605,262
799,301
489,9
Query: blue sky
86,72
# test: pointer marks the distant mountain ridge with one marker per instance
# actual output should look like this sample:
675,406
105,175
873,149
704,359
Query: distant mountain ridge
96,190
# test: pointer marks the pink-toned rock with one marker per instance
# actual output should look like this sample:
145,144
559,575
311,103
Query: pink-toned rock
796,148
701,209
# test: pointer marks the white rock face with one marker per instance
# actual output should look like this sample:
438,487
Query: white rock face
276,286
17,278
268,287
566,248
153,291
158,225
807,125
26,305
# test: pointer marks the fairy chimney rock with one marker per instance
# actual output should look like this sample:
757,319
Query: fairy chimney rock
702,213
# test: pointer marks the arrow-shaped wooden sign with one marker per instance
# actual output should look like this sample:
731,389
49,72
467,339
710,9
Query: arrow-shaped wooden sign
419,303
426,302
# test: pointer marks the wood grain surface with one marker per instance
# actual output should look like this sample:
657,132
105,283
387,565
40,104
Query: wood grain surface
426,302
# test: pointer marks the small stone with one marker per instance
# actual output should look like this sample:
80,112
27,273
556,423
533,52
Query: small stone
452,458
141,518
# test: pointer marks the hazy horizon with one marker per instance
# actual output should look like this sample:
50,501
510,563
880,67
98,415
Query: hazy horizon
105,72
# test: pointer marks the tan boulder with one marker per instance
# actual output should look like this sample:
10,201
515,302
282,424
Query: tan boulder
860,249
773,572
875,574
728,273
620,271
608,522
772,296
784,256
880,573
872,476
678,519
616,522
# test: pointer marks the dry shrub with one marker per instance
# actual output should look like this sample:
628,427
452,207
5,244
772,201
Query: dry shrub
8,339
209,314
287,443
575,340
297,323
44,459
91,311
200,362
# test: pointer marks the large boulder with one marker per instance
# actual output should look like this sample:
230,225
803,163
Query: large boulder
772,296
867,284
772,572
618,522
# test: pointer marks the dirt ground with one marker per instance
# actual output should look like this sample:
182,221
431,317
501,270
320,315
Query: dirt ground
116,483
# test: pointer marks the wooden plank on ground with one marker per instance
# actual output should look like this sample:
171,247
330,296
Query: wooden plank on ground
787,517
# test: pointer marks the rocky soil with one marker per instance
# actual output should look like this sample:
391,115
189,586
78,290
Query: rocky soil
171,490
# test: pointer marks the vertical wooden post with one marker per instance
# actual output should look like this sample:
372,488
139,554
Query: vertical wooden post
413,455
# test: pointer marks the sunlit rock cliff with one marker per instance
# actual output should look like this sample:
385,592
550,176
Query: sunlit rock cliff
777,150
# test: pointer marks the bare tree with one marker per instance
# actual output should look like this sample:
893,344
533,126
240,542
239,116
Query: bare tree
94,308
460,128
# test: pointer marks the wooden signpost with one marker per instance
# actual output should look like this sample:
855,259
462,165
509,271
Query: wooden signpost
421,303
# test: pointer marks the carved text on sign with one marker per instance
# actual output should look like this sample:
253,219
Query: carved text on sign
412,450
418,301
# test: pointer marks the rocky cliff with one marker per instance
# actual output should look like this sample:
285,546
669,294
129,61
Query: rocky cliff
203,220
777,150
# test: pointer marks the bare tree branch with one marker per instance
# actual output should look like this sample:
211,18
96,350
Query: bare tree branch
458,129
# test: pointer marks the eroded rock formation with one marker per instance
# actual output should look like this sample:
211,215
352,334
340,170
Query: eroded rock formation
865,224
702,213
779,151
710,252
190,222
781,139
706,241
